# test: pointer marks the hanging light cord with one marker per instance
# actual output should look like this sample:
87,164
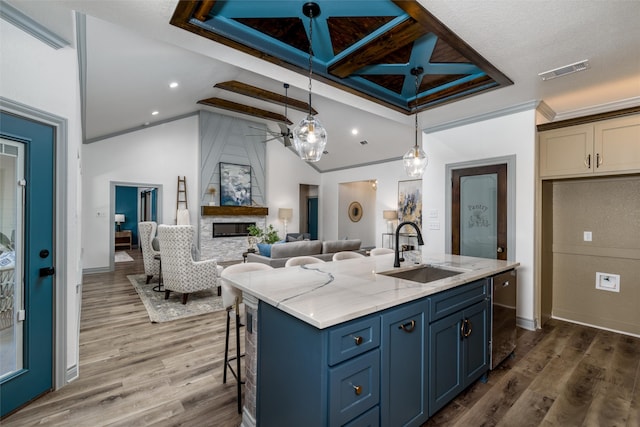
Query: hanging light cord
417,73
310,53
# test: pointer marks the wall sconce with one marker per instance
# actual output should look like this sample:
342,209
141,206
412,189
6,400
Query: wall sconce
119,219
390,216
285,214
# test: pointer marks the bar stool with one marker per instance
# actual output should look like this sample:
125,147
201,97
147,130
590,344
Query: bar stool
232,301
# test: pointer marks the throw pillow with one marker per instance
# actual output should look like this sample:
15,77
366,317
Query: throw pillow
299,238
264,249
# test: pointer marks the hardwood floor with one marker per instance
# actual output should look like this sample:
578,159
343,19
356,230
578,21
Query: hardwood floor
135,373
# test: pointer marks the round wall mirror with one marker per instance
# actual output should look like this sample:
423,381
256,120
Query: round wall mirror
355,211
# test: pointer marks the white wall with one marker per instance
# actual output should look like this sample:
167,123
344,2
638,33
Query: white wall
514,134
364,193
36,75
285,172
155,155
388,174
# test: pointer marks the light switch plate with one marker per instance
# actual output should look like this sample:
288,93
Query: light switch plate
587,236
434,225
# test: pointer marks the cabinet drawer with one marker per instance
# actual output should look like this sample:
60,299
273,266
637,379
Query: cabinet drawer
371,418
353,339
455,299
354,387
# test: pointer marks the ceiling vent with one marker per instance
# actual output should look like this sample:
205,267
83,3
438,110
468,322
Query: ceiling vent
564,70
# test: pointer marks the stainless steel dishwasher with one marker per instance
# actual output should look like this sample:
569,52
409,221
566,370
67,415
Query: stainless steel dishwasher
503,316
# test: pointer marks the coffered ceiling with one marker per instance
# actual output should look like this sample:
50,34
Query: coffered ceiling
367,48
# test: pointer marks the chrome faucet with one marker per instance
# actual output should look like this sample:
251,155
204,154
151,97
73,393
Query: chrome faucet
396,262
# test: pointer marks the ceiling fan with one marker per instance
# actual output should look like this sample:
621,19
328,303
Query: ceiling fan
285,133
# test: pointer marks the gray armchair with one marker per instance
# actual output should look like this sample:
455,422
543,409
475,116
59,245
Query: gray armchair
147,232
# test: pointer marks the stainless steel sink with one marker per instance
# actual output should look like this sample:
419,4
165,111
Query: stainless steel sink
422,273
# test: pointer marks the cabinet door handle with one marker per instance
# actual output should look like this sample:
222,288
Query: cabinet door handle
598,160
469,328
408,327
587,161
357,389
358,340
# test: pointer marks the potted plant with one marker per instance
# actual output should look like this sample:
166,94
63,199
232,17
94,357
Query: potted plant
264,238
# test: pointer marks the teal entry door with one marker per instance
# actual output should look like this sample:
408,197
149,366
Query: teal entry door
26,260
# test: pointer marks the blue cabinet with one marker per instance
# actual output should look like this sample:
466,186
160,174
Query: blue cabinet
458,342
392,368
312,377
404,350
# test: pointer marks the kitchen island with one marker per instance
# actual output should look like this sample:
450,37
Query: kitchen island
343,343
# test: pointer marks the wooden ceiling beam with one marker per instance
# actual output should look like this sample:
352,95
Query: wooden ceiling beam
244,109
264,95
377,49
203,10
420,14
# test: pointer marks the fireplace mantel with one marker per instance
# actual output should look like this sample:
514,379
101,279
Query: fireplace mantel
235,210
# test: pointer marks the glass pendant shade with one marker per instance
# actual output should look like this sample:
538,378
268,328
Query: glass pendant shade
310,139
415,162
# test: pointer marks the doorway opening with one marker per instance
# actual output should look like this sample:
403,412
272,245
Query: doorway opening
309,210
356,211
132,203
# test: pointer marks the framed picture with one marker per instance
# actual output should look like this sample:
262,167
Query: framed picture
410,203
235,185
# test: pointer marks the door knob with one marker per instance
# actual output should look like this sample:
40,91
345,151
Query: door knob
500,249
47,271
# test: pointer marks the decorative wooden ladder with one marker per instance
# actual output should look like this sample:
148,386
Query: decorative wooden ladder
181,196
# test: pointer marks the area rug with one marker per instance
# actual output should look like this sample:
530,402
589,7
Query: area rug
122,256
161,310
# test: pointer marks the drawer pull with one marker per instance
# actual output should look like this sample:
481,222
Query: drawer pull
358,340
357,389
408,327
587,161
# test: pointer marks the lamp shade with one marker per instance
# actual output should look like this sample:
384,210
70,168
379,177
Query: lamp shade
285,213
119,218
390,215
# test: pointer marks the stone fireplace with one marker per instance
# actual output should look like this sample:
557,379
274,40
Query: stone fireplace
229,224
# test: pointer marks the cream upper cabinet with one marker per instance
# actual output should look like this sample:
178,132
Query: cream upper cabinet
617,144
566,151
606,147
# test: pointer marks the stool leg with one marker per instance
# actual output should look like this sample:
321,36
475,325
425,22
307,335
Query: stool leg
238,362
226,349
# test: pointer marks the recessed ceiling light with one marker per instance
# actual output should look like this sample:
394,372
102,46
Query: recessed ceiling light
566,69
354,131
155,113
173,85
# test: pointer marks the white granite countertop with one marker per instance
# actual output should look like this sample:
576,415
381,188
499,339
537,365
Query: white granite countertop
326,294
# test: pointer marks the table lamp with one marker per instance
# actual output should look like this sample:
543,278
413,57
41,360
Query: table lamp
119,219
390,216
285,214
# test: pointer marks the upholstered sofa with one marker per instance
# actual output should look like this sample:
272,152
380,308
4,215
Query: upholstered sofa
281,252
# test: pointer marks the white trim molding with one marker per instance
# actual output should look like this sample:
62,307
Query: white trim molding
31,27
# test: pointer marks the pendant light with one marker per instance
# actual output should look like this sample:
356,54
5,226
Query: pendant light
310,137
415,160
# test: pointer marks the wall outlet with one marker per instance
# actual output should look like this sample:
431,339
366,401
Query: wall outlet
587,236
608,282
